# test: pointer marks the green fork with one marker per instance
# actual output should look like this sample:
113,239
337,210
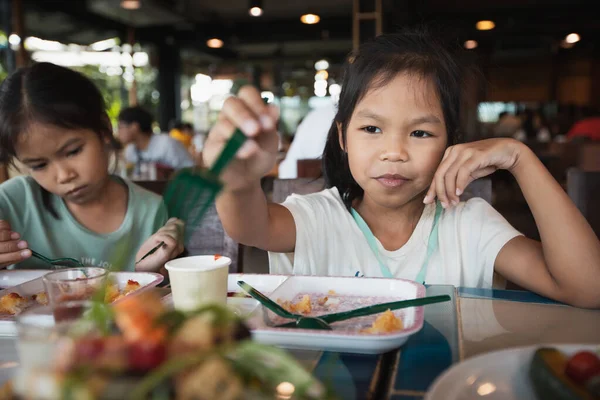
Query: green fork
191,192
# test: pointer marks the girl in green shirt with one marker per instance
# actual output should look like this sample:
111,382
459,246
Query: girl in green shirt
54,121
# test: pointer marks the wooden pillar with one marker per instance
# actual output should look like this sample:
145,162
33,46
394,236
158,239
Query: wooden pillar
133,100
366,21
18,17
21,56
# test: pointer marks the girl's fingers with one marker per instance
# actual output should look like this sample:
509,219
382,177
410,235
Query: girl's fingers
6,235
240,115
251,97
439,177
7,259
13,246
430,196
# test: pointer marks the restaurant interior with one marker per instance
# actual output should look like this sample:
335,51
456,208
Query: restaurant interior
180,61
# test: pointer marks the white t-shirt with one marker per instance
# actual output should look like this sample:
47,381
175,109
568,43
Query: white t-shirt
329,242
162,149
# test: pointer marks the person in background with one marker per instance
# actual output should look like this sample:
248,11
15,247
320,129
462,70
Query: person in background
54,121
533,128
142,146
183,132
309,140
587,128
507,125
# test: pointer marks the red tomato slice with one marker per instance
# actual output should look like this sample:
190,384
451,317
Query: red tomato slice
582,366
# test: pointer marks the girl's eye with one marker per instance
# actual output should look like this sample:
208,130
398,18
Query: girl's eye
420,134
38,167
74,152
371,129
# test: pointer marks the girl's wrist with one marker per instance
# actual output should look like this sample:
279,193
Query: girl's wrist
523,157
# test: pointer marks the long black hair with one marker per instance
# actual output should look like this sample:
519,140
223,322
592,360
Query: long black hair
49,94
375,64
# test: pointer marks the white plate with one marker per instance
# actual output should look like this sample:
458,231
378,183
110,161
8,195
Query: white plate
265,283
14,277
499,375
342,341
31,287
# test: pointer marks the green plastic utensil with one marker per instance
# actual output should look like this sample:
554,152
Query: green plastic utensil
58,262
316,322
276,308
191,191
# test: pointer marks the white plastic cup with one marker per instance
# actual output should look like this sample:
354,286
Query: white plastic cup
198,280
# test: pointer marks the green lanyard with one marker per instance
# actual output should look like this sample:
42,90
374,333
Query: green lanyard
431,243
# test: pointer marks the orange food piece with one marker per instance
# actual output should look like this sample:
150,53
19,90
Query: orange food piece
12,303
385,323
41,298
136,315
217,256
131,286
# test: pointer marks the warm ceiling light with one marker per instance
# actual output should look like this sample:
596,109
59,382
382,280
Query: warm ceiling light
485,25
214,43
310,19
131,4
255,8
471,44
256,11
572,38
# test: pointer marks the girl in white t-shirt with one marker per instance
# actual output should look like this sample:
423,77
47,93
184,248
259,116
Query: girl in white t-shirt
391,152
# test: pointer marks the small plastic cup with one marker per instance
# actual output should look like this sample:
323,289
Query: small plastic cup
198,280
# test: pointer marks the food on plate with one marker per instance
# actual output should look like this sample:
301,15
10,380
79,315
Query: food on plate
303,306
157,353
385,323
217,256
131,286
554,375
41,298
315,304
12,303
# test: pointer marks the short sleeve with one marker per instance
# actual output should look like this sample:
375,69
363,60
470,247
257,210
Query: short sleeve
318,217
130,155
483,225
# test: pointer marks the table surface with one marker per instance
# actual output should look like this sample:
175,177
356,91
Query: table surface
475,321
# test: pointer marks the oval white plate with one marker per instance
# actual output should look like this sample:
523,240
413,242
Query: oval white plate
500,375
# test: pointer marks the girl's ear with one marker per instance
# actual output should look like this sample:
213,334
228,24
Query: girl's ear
341,136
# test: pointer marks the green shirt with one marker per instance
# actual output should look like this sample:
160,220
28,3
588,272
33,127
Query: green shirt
21,204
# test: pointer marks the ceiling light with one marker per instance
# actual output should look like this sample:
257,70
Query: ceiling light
485,25
471,44
255,8
572,38
321,64
255,11
310,19
214,43
131,4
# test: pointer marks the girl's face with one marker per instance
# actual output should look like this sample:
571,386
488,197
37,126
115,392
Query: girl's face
72,164
395,140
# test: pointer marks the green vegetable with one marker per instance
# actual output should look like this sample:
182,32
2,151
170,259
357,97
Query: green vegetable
547,373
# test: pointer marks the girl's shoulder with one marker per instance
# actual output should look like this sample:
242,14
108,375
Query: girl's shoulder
326,198
141,195
473,210
19,187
